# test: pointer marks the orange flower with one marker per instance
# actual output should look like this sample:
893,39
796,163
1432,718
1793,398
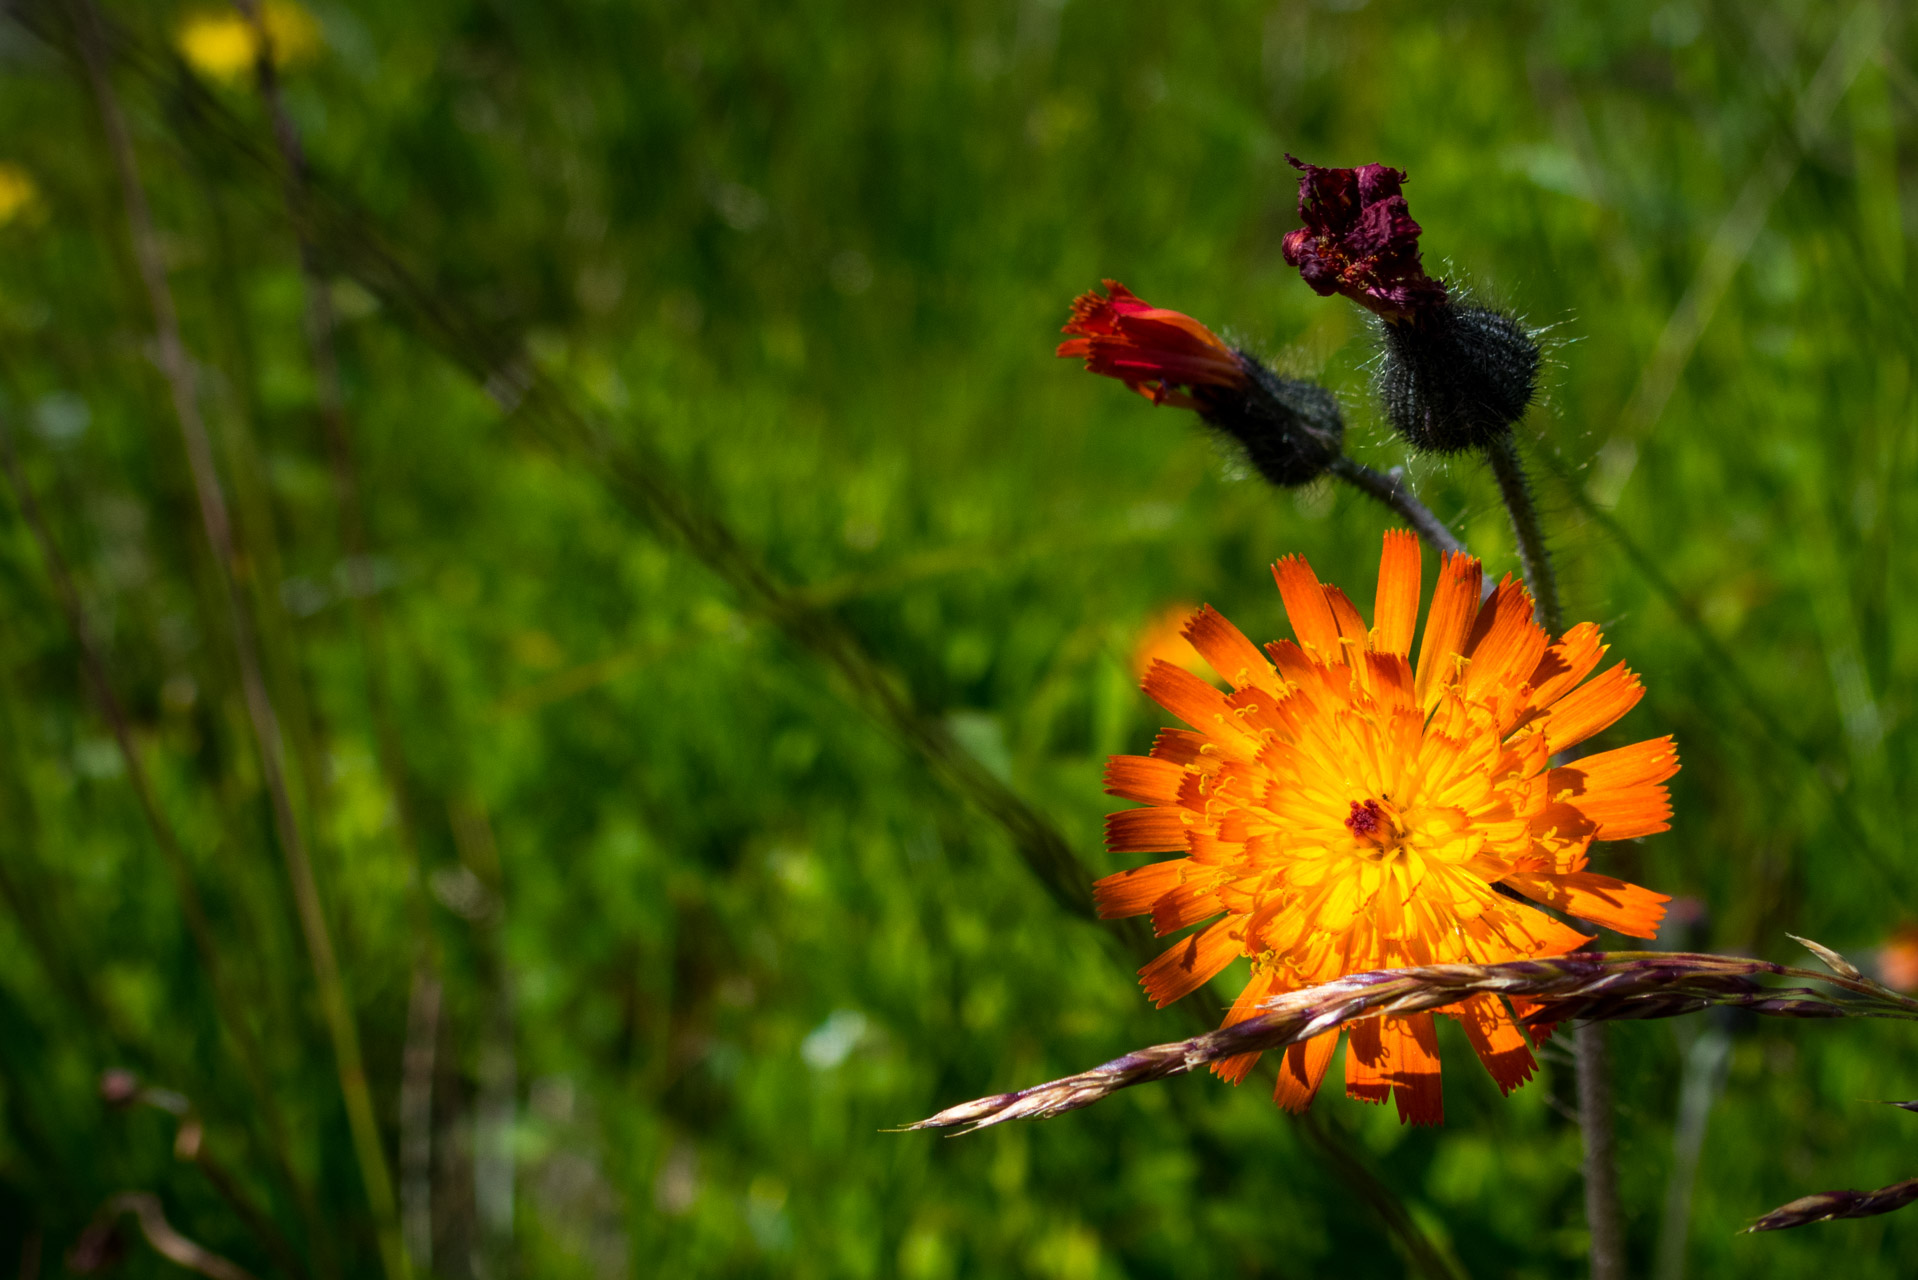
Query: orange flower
1151,350
1162,638
1898,959
1343,810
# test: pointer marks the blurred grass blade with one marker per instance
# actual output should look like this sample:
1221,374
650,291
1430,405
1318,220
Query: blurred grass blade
176,367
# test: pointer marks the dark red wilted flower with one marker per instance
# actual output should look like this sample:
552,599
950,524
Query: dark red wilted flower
1359,240
1163,355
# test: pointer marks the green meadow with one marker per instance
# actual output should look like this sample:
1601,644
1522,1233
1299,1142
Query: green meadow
694,619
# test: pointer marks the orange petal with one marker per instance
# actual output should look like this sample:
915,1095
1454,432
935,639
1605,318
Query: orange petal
1367,1064
1620,791
1627,815
1190,964
1210,851
1145,831
1561,837
1302,1070
1292,662
1573,658
1306,608
1540,1032
1415,1080
1653,760
1591,708
1263,985
1131,893
1510,930
1352,629
1179,746
1391,680
1454,605
1621,907
1236,659
1395,609
1505,644
1188,904
1191,699
1497,1041
1143,779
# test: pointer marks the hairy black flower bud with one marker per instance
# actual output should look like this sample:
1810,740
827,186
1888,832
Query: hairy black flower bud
1456,378
1291,431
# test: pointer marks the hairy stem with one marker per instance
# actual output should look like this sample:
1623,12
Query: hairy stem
176,367
1602,1211
1390,488
1534,561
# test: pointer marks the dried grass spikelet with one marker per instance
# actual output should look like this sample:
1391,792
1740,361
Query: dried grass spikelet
1596,987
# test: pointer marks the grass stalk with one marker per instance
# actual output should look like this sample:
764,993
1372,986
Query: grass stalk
177,369
321,327
226,1000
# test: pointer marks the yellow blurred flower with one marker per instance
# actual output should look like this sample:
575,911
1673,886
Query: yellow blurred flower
220,43
19,194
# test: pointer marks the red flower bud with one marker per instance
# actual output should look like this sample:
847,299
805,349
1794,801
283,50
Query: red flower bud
1154,351
1290,430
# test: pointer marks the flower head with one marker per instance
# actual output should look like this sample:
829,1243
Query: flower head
1343,809
1154,351
1359,240
1290,430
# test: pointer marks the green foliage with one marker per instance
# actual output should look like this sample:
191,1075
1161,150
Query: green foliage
705,926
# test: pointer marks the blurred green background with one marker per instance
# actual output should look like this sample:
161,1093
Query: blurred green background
703,925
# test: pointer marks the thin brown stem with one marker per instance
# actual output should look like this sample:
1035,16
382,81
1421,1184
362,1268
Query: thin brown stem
177,369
